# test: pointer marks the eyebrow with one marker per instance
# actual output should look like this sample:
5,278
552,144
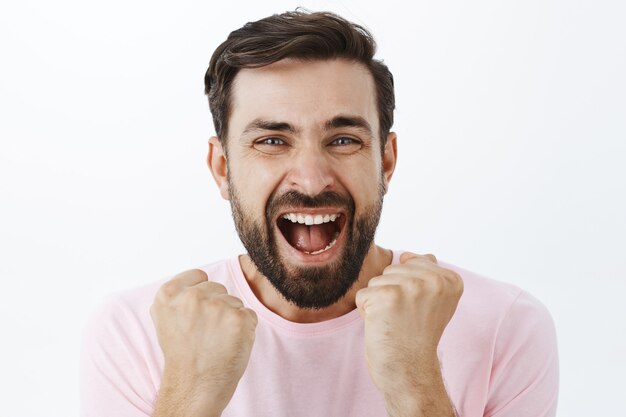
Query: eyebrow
260,124
348,121
334,123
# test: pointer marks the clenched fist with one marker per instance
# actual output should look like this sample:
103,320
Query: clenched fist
405,311
206,337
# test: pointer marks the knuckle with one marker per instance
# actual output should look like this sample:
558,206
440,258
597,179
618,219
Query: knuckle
451,274
456,281
360,296
237,301
373,281
414,286
214,305
434,284
390,293
242,315
392,269
236,318
431,257
195,273
167,291
217,288
253,316
191,295
439,287
460,285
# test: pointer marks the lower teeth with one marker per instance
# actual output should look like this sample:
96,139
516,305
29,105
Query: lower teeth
330,245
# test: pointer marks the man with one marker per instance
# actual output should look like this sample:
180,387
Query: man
316,319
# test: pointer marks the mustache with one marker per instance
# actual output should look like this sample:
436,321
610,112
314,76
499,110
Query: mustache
295,199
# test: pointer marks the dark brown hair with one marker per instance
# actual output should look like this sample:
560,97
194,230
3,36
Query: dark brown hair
301,35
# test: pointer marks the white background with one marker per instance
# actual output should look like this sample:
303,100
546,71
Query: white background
512,141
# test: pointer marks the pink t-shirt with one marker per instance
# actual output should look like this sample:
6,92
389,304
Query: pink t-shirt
498,356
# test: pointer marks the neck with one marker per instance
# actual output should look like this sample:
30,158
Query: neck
375,261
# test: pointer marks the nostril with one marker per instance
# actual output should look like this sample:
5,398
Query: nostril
311,175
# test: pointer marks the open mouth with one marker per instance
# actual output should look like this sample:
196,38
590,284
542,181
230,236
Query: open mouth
312,233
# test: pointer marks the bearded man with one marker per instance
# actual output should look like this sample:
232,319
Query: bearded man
315,319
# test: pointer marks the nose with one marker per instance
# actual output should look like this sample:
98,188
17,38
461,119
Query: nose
311,172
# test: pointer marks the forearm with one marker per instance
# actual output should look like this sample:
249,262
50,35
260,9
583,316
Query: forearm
180,398
423,395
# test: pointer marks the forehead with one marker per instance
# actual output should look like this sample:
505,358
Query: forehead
303,93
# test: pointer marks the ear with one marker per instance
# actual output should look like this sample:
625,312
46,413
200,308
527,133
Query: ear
390,156
216,160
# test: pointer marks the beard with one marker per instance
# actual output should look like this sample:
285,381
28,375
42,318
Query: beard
307,287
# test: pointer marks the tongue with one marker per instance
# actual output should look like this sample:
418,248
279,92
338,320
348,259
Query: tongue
310,238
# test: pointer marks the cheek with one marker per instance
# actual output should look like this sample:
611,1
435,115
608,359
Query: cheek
254,184
363,185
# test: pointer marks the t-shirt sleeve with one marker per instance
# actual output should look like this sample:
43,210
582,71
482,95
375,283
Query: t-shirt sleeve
525,375
115,379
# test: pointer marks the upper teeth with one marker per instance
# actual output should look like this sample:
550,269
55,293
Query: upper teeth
309,219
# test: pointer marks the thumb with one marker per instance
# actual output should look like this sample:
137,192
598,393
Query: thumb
360,300
410,255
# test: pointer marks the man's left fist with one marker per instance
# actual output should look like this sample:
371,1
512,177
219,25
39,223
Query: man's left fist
406,310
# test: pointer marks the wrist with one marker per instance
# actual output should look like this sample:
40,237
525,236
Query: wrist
183,396
420,391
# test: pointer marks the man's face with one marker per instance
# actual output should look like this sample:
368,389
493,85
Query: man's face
305,175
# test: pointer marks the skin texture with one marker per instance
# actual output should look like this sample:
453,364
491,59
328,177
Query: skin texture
206,336
405,307
405,311
306,95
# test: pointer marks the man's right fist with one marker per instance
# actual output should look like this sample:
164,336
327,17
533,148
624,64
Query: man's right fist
206,337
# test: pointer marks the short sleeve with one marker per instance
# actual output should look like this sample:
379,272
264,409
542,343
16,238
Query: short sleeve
525,375
114,377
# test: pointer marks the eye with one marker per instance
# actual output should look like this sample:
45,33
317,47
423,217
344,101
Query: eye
271,145
271,141
344,140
